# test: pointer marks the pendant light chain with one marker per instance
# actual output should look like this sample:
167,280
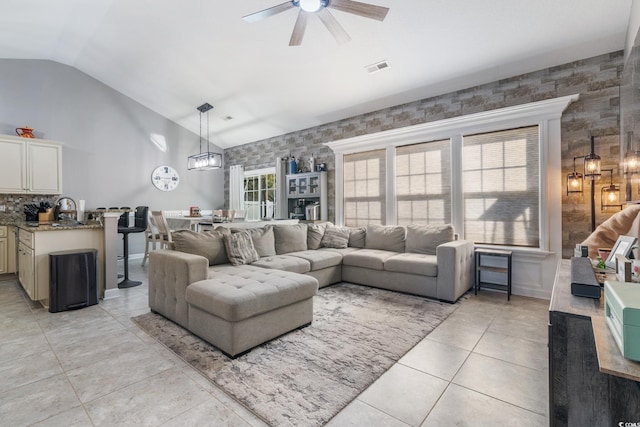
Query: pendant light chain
200,141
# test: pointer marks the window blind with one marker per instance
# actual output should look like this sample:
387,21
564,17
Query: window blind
423,183
365,188
501,187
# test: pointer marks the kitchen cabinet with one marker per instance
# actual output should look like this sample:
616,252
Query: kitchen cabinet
33,255
26,272
30,166
7,250
26,264
303,188
307,185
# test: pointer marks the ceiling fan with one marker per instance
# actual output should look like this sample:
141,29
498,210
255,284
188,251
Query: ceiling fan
320,7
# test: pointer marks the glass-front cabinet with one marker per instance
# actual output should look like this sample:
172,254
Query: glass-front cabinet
305,184
304,189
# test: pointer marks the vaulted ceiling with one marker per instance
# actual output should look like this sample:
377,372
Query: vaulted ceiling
172,56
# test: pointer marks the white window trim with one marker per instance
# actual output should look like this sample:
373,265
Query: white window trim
259,172
546,114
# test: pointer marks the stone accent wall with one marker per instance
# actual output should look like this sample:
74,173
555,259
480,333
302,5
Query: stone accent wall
595,79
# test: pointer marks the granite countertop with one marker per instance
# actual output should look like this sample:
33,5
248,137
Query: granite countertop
55,226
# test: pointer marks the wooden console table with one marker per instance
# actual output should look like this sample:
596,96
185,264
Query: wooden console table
590,383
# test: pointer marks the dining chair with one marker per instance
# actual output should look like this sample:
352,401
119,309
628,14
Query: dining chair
164,232
228,214
152,238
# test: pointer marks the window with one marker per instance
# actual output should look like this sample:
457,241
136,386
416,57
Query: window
259,194
423,183
501,187
503,173
365,188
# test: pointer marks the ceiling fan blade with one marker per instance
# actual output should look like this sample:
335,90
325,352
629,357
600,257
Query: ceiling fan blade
259,16
333,26
298,29
362,9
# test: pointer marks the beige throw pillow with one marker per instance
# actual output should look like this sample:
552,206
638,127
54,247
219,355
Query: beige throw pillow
424,239
209,244
335,237
240,248
315,233
607,233
263,239
290,238
357,237
385,237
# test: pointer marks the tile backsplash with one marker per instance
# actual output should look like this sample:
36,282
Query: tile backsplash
14,204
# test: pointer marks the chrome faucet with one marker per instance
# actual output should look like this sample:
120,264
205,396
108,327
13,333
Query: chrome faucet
65,209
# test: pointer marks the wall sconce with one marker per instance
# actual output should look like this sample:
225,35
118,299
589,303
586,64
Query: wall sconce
574,179
207,160
610,195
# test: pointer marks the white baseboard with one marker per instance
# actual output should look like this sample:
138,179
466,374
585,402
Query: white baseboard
111,294
132,256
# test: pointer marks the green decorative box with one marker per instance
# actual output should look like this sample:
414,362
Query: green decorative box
622,311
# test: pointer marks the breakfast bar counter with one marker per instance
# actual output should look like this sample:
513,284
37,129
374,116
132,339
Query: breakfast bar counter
34,242
57,226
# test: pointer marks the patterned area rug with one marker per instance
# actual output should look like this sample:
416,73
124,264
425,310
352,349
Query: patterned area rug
307,376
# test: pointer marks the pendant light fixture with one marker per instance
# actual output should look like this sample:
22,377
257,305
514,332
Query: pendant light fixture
574,179
610,194
204,160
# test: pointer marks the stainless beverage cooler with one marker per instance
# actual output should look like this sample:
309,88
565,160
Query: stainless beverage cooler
73,279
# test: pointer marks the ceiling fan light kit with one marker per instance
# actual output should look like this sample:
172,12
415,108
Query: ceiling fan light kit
311,5
321,8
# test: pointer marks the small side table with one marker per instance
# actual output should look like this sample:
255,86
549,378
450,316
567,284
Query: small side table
494,253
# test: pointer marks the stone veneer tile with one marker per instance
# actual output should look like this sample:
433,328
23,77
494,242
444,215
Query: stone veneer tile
595,79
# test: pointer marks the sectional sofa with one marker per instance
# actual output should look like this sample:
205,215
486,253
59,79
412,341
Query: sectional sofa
240,288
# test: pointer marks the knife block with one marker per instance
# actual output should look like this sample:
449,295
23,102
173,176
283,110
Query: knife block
45,217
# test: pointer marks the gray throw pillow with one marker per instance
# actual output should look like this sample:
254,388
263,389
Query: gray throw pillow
335,237
356,237
209,244
240,248
315,233
290,238
385,237
263,239
424,239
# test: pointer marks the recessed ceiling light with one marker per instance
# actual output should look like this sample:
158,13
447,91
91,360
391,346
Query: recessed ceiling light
378,66
226,118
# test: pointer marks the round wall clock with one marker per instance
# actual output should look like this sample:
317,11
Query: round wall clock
165,178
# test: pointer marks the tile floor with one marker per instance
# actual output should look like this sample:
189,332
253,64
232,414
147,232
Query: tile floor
486,365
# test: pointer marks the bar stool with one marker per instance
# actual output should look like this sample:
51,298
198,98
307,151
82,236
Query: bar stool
141,218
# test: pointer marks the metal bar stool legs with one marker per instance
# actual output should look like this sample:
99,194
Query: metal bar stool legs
126,282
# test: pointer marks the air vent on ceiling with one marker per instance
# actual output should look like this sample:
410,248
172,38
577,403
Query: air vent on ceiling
379,66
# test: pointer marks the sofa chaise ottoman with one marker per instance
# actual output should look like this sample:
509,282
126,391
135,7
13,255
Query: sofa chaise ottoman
241,308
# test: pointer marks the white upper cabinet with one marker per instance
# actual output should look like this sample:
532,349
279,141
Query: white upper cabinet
30,166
